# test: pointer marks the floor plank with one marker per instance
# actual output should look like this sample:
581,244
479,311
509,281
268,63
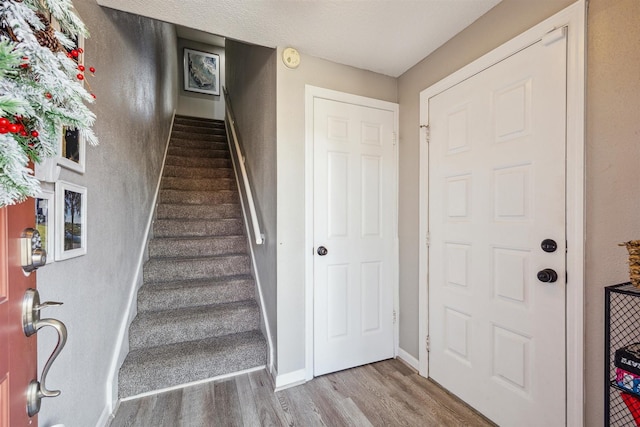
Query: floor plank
387,393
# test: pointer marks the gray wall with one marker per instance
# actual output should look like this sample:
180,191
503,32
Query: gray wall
251,83
136,88
613,152
291,186
200,104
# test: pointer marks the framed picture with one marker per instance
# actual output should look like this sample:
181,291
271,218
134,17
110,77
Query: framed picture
44,221
71,153
71,220
201,72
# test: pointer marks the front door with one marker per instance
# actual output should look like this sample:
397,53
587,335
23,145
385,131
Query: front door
354,234
18,361
497,268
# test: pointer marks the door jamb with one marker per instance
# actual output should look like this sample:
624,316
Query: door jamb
312,92
573,17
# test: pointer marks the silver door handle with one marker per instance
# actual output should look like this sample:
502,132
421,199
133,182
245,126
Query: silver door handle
31,323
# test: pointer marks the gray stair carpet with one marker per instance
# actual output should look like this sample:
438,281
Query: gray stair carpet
197,314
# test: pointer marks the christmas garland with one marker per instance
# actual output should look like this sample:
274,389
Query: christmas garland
40,90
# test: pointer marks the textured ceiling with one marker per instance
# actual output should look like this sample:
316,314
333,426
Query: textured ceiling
385,36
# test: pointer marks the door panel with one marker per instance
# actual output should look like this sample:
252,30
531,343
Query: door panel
354,218
18,361
497,190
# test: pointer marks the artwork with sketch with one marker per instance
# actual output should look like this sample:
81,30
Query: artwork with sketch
201,72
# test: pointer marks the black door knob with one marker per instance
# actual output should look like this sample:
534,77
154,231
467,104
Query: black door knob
547,275
322,251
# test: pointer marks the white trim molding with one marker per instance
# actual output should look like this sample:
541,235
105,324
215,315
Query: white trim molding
290,379
408,359
574,19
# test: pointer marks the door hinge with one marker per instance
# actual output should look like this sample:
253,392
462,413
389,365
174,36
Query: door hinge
394,137
428,239
428,344
427,133
395,317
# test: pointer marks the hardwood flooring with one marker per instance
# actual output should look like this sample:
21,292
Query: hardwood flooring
387,393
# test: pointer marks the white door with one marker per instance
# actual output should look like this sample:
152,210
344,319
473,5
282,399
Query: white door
355,221
496,192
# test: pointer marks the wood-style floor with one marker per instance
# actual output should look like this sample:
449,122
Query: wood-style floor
387,393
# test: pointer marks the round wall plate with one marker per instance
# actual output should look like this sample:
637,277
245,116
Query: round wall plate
291,58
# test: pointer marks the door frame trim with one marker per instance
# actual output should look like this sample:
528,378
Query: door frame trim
574,18
312,92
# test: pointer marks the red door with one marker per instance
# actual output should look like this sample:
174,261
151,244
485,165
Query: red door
18,357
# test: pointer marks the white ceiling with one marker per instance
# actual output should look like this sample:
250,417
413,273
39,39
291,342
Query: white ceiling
385,36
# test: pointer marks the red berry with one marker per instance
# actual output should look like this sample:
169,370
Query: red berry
81,67
94,97
81,50
25,66
80,76
69,55
23,133
4,121
48,95
93,70
75,53
3,129
34,133
13,128
20,126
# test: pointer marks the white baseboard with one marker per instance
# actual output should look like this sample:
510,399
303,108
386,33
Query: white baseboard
291,379
121,347
105,417
409,359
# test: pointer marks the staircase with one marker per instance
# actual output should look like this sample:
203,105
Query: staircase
197,314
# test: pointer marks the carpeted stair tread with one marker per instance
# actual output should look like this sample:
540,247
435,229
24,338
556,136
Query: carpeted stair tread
197,246
198,136
198,152
198,172
193,293
214,143
169,269
154,328
175,364
198,197
191,184
198,227
199,212
198,162
198,121
197,129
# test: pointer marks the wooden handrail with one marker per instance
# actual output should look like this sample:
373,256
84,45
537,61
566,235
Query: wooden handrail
231,124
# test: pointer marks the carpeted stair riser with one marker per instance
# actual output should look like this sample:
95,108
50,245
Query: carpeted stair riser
217,137
204,153
195,162
155,328
198,130
190,143
197,228
197,247
170,365
190,172
197,315
175,211
198,197
168,269
191,184
194,293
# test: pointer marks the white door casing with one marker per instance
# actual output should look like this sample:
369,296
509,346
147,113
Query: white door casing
573,19
355,217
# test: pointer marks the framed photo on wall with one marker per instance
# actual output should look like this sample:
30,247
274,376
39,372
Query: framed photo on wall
71,153
71,220
201,72
45,223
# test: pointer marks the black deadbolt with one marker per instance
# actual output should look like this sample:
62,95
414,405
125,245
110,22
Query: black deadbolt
547,275
322,251
549,245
